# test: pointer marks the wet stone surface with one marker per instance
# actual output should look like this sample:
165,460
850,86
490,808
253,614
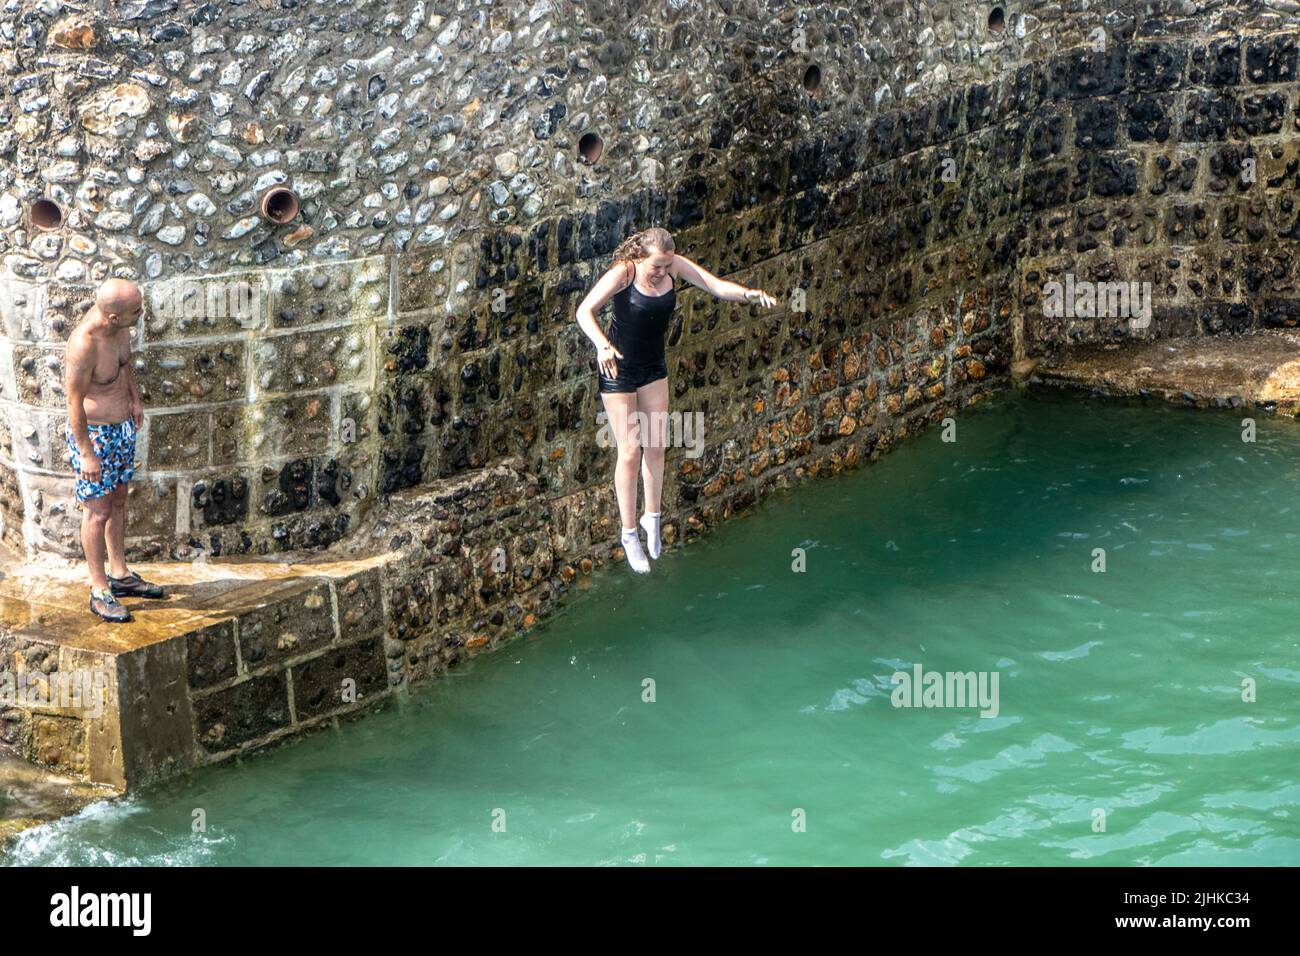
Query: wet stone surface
30,796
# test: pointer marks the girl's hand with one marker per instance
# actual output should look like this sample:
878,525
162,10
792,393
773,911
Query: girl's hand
605,355
759,297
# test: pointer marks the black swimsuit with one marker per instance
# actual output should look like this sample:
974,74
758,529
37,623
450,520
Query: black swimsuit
638,330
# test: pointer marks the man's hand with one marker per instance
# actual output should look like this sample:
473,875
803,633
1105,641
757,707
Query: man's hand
759,297
92,470
137,412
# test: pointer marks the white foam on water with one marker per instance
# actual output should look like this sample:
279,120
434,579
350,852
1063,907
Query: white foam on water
73,841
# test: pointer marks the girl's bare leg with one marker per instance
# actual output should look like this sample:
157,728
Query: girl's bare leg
619,407
652,399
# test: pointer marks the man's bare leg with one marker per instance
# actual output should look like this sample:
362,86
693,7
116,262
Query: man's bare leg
116,532
94,525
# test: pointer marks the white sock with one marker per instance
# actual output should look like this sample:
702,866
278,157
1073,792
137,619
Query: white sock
650,521
636,558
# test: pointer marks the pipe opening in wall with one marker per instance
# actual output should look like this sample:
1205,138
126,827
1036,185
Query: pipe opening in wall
812,78
997,21
279,204
590,147
46,214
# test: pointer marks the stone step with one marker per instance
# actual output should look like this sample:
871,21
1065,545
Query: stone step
1258,370
123,704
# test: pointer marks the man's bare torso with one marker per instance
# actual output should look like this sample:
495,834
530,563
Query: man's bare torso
108,398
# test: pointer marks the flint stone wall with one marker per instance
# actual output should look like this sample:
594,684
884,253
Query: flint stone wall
418,316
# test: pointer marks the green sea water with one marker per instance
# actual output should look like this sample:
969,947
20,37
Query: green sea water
1121,734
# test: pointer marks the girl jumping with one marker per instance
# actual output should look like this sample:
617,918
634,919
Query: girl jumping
631,368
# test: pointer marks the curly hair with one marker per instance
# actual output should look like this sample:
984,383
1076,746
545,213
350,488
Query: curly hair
641,244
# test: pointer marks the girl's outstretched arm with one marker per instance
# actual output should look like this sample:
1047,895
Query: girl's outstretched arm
697,275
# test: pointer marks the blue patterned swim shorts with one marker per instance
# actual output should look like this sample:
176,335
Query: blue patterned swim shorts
115,447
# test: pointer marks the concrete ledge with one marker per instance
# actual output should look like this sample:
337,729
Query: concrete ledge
1259,370
197,675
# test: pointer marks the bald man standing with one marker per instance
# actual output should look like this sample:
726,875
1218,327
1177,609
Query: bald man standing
104,414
